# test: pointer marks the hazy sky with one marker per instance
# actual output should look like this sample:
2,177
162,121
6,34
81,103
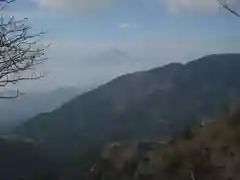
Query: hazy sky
97,40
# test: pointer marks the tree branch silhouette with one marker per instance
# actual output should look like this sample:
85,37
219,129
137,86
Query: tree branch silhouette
226,6
20,50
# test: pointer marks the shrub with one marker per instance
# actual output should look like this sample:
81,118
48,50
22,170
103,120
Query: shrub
174,161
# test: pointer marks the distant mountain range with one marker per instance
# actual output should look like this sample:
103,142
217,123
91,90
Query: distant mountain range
16,111
161,101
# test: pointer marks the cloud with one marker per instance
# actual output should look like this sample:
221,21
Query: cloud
81,5
202,6
126,26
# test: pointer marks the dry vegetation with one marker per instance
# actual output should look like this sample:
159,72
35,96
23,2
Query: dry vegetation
208,152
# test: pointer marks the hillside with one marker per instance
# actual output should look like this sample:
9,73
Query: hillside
162,101
22,159
16,111
210,151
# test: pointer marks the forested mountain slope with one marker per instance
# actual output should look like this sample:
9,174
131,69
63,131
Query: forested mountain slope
160,101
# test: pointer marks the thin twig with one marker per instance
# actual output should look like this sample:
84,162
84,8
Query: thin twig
225,5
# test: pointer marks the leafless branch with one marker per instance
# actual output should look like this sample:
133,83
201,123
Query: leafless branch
226,6
3,3
20,50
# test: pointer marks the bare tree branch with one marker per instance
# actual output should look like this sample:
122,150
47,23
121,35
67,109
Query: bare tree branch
3,3
225,5
20,50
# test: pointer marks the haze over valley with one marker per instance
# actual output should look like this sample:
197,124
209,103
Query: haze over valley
119,90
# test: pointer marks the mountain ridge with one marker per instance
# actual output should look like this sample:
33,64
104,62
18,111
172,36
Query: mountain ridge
15,111
161,101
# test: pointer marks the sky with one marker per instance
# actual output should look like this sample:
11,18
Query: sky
94,41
